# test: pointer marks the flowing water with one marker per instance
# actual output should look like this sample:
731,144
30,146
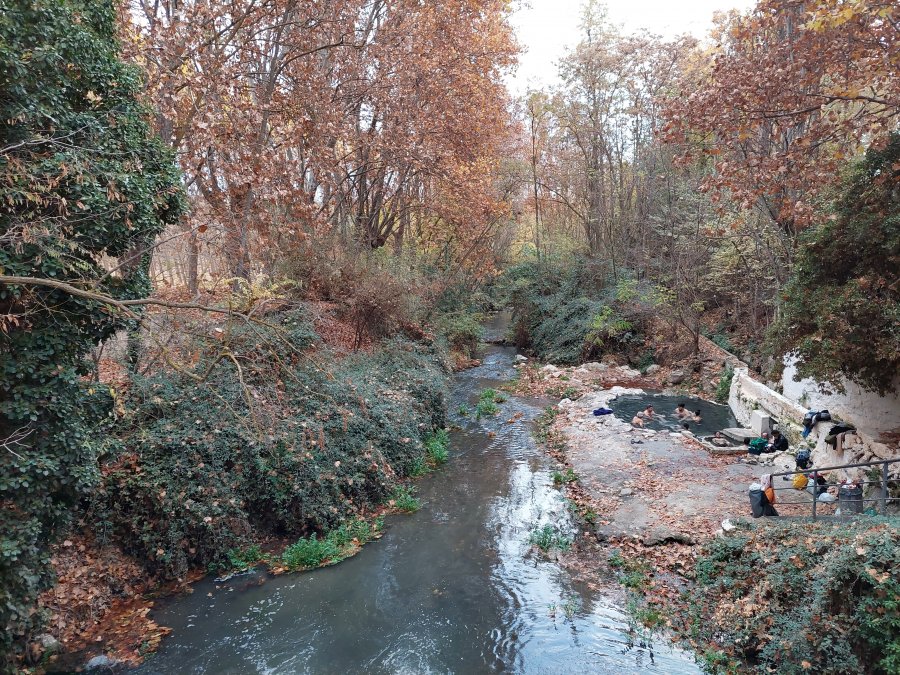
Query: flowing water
454,588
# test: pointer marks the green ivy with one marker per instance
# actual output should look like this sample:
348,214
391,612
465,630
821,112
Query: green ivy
82,179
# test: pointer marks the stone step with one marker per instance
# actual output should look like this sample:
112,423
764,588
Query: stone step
738,434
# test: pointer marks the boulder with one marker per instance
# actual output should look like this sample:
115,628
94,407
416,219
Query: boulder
614,360
520,358
652,370
662,534
595,367
676,377
100,662
48,643
626,492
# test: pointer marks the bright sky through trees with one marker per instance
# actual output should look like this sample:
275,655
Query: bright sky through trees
546,27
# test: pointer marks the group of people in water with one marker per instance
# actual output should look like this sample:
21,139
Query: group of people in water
681,412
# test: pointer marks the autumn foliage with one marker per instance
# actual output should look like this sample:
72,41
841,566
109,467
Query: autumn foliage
379,120
791,90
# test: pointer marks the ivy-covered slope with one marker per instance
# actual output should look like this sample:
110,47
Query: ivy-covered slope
295,443
83,181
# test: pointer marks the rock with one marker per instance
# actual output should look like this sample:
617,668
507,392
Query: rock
48,643
661,534
99,662
520,358
549,368
626,492
738,434
652,370
629,373
676,377
595,367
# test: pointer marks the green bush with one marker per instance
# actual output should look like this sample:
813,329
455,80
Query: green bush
487,403
462,329
784,594
561,477
550,537
723,388
200,471
404,499
309,552
569,312
437,445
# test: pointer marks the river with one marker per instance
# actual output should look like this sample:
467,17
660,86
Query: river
453,588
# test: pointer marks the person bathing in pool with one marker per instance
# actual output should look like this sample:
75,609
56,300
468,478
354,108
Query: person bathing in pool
698,417
681,412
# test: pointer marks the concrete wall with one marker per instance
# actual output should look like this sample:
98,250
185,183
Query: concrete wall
869,412
747,395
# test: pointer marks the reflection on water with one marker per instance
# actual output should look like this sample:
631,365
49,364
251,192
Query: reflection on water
453,588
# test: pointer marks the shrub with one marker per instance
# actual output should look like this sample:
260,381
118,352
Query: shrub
723,387
200,470
550,537
568,313
404,499
462,329
787,594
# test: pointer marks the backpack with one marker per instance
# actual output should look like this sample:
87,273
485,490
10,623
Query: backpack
803,458
758,445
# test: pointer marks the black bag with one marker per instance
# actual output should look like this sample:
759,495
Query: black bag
757,503
803,458
824,416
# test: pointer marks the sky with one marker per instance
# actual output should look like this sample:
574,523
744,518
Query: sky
546,27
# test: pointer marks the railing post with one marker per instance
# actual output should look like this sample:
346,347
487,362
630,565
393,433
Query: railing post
815,494
884,488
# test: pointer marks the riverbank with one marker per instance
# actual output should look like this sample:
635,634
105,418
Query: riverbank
287,454
654,491
651,504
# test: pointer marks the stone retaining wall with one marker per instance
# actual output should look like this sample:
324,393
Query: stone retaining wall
747,395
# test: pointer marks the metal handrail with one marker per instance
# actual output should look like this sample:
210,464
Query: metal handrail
883,500
842,466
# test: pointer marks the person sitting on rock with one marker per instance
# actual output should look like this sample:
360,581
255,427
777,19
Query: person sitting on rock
680,411
779,443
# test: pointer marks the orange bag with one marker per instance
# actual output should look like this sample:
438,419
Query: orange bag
770,494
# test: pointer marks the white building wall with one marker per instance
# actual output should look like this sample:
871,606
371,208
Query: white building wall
869,412
747,395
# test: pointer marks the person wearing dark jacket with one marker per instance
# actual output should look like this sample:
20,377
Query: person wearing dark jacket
779,443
